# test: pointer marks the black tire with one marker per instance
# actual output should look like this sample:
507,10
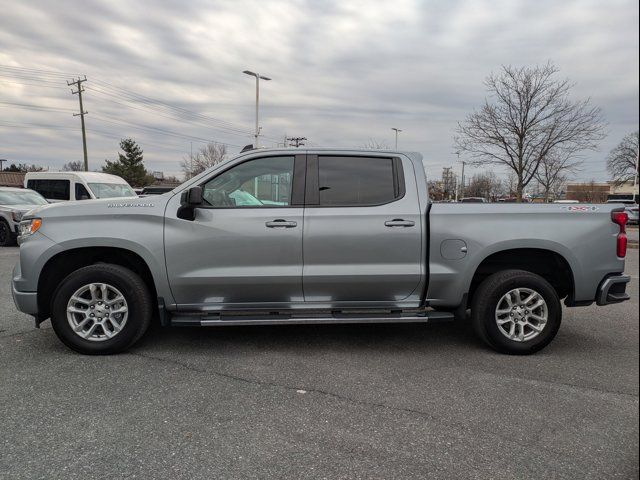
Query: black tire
7,237
135,292
486,300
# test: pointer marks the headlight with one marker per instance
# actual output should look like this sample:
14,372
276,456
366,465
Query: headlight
17,216
29,227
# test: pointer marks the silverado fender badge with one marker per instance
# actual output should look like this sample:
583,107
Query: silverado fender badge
581,208
128,205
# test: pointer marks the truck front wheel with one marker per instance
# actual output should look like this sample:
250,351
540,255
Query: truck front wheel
516,312
101,309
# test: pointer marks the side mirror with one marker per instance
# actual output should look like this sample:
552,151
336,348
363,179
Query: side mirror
189,201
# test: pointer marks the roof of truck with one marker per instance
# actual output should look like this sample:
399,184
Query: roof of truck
337,150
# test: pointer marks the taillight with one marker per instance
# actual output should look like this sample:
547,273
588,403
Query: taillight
621,219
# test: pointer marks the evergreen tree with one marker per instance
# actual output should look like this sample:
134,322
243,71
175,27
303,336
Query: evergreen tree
129,165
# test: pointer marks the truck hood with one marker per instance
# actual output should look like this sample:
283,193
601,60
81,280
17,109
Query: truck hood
103,207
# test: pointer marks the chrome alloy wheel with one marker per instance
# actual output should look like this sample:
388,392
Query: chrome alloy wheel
521,314
97,312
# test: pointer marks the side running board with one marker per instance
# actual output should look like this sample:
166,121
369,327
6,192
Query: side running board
210,320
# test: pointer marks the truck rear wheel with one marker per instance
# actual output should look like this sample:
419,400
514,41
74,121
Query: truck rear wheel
516,312
101,309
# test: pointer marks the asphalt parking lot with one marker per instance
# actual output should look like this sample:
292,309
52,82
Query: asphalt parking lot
381,401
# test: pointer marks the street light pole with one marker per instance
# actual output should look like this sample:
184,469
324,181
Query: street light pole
397,130
258,77
635,177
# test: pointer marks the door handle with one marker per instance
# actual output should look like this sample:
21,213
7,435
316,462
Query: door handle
399,222
281,223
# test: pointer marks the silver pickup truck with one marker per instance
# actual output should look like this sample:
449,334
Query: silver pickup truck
314,236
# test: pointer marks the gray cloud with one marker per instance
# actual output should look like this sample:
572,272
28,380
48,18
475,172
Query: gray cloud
342,71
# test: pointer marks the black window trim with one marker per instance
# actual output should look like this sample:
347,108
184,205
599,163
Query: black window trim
313,181
297,183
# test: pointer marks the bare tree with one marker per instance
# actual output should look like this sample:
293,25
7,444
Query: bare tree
449,183
76,166
208,156
553,171
485,185
528,116
373,144
622,161
436,192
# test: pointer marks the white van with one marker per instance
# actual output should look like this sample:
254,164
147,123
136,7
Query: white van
63,186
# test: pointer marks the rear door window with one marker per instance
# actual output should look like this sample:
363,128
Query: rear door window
356,181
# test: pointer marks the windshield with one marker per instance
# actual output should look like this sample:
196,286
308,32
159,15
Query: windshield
111,190
27,197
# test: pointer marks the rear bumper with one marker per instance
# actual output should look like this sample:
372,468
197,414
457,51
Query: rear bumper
612,290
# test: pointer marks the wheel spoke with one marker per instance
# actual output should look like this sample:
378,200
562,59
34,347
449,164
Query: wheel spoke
521,332
504,320
77,299
93,290
89,332
81,325
116,325
516,294
537,328
77,310
538,304
538,318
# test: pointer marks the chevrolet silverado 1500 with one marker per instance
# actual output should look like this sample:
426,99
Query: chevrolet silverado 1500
314,236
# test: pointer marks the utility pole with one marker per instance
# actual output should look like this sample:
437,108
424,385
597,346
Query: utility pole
2,160
258,78
296,141
462,177
78,84
397,130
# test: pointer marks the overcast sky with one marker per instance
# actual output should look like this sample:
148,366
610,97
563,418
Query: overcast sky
343,72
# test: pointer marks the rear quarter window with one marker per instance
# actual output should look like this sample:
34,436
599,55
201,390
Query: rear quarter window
50,189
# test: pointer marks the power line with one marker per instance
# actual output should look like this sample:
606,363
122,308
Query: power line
158,107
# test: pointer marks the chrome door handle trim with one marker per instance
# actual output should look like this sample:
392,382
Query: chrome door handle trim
281,223
399,222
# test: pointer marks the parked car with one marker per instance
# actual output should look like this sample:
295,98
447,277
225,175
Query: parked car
63,186
474,200
156,190
375,250
14,203
630,206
